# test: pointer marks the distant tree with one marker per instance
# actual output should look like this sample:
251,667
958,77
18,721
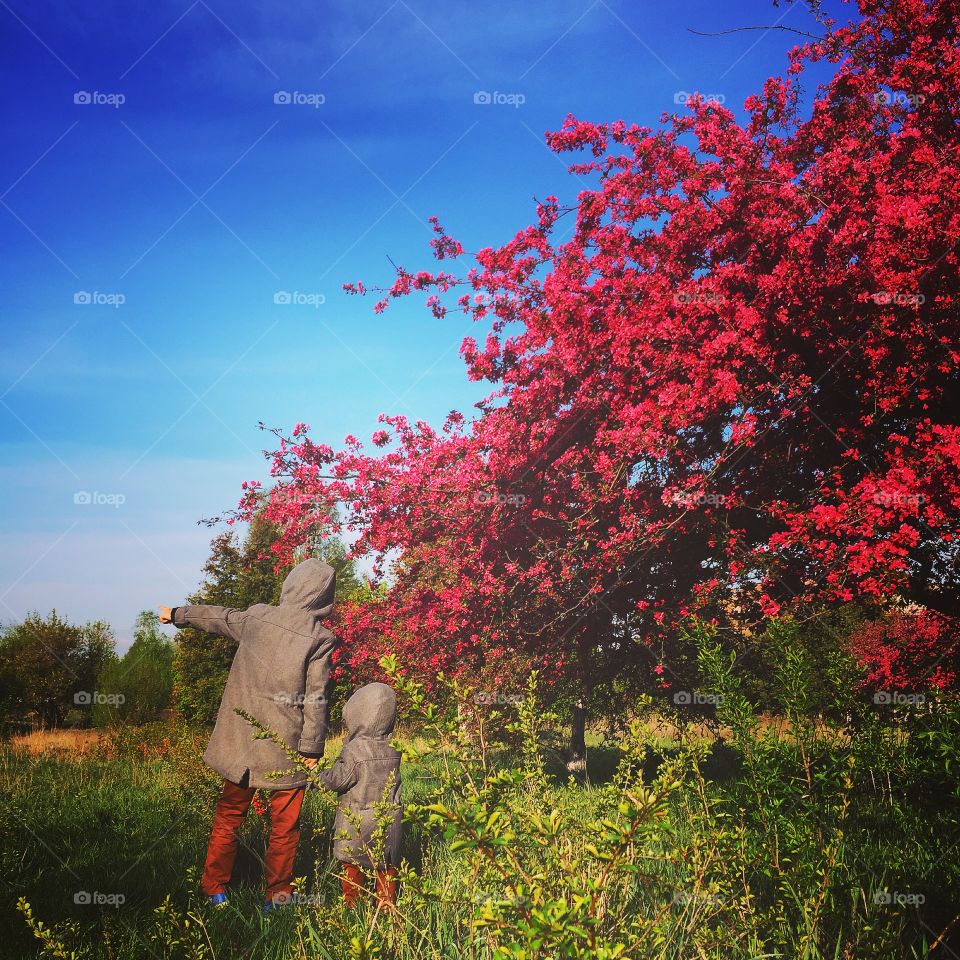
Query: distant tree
99,648
136,687
351,586
49,666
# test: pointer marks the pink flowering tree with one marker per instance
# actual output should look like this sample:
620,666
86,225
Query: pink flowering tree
737,378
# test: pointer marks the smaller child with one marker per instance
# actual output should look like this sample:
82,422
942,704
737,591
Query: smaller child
367,778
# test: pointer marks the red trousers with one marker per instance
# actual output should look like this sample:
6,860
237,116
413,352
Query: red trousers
353,883
281,850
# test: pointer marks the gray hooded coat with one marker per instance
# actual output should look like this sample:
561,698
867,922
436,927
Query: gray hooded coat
367,777
280,675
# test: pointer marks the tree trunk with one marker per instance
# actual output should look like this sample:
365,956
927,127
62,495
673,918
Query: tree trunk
577,755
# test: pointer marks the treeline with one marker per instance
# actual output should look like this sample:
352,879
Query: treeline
54,673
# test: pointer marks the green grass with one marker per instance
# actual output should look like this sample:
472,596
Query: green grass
123,824
114,821
136,826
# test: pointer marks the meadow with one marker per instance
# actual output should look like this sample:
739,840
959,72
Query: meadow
718,833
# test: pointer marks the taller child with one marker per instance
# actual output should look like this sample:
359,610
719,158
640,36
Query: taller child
281,675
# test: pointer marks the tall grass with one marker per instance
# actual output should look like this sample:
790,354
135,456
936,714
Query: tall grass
735,837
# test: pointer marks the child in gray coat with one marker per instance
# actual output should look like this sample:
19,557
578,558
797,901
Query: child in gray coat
367,827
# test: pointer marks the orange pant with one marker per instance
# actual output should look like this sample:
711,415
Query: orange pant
281,850
354,882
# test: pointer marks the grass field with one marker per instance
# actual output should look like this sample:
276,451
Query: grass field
129,814
98,831
85,814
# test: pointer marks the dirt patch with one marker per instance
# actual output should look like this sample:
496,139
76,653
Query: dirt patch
79,742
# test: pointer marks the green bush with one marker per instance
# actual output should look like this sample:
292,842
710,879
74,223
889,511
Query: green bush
795,850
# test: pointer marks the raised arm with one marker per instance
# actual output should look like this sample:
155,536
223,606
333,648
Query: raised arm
224,621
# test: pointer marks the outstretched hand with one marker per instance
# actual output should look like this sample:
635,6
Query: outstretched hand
309,762
164,614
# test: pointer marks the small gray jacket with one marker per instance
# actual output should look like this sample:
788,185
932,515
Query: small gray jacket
280,675
367,777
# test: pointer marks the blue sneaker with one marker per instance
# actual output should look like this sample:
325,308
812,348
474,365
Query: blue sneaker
217,899
274,903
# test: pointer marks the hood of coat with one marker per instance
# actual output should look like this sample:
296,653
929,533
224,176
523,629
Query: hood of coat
309,587
371,712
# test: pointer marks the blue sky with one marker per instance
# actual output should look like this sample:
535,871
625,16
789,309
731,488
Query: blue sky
180,198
